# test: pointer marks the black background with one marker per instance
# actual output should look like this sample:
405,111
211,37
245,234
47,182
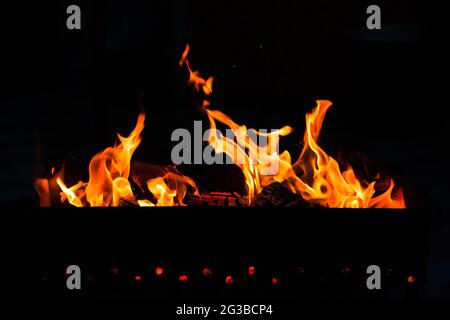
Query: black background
66,93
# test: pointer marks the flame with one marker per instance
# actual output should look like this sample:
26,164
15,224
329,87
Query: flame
194,76
321,179
69,193
315,176
245,152
327,185
109,184
169,189
43,189
46,187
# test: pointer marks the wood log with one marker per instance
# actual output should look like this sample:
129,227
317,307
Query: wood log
277,195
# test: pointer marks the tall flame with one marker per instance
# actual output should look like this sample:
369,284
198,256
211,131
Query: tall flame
327,185
245,152
109,184
315,176
109,170
321,179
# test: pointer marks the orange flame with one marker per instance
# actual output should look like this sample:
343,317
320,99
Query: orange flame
315,176
321,181
46,187
109,173
326,184
194,76
245,153
43,189
110,165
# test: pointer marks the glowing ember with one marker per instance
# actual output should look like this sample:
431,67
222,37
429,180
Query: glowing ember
114,271
207,272
346,270
229,280
183,278
159,271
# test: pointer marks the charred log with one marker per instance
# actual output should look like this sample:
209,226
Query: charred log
277,195
216,199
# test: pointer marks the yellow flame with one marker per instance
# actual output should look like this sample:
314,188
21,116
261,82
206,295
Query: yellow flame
321,179
327,185
109,173
245,153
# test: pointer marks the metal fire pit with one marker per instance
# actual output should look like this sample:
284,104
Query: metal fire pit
294,252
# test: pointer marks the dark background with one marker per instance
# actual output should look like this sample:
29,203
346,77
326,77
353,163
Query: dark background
66,93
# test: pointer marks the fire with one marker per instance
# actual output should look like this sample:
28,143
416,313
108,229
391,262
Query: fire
43,190
109,179
115,180
327,185
315,176
246,154
253,159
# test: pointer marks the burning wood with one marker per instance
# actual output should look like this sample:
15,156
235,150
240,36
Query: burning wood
315,176
270,177
277,195
216,199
